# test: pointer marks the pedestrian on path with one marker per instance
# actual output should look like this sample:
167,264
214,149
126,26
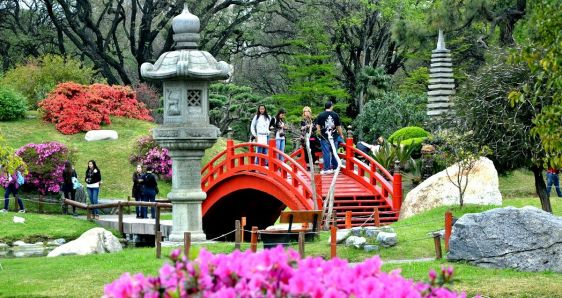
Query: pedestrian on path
138,188
553,179
93,183
12,183
68,178
150,190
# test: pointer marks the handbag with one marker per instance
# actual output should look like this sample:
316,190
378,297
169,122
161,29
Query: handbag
75,183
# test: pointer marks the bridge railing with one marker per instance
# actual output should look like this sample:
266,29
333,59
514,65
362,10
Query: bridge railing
245,157
368,172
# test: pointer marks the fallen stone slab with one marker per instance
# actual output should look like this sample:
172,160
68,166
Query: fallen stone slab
96,240
101,135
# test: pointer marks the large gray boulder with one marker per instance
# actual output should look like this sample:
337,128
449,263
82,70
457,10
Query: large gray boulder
437,190
341,235
96,240
525,239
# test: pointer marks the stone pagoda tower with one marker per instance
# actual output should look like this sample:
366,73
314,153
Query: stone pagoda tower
441,82
186,73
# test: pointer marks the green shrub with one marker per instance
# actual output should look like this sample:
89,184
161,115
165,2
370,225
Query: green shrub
407,133
415,145
39,76
12,104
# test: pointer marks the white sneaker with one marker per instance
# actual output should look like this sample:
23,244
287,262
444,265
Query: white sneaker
330,171
3,211
324,172
21,211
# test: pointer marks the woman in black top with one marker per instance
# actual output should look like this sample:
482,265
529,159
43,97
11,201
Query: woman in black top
93,181
68,185
150,190
137,188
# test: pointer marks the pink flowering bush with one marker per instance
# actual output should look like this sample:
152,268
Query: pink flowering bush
271,273
45,164
147,152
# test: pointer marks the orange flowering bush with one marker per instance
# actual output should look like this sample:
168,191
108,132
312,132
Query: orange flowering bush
75,108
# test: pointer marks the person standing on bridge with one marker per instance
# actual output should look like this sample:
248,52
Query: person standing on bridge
137,188
307,124
277,124
150,190
93,182
328,124
260,129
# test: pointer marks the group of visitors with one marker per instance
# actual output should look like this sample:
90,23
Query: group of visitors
145,188
318,130
71,184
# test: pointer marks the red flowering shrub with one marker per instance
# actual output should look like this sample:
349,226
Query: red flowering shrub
75,108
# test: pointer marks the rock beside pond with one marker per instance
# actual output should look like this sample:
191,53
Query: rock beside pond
370,248
356,231
56,242
96,240
3,246
525,239
372,232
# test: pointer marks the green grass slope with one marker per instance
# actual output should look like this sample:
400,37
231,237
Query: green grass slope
112,157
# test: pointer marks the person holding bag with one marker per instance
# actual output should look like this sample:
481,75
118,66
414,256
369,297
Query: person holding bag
12,183
69,180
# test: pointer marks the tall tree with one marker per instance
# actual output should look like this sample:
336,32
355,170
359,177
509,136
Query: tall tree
110,32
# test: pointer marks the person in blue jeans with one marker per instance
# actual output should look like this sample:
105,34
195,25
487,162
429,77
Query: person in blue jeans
93,182
150,190
277,125
260,129
12,185
552,179
328,123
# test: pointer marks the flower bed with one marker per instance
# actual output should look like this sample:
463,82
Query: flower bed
75,108
274,273
147,152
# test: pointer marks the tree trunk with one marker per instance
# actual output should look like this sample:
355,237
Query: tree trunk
540,187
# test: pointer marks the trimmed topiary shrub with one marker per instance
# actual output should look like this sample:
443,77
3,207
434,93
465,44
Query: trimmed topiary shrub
12,104
75,108
39,76
415,145
45,165
407,133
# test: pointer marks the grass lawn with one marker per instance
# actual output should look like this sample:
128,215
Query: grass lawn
40,227
86,275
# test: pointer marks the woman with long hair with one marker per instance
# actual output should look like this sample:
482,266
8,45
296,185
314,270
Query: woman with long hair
68,185
93,182
260,129
138,188
277,124
307,125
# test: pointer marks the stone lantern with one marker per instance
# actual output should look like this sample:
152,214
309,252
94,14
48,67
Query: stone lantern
186,132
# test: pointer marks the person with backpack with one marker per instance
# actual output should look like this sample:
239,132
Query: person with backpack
150,190
93,182
69,178
12,184
260,129
277,125
328,125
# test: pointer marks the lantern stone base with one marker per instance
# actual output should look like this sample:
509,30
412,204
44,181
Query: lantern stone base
187,215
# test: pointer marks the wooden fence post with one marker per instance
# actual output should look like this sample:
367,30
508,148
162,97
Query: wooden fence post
157,220
301,244
158,245
128,205
243,225
186,243
448,228
237,234
437,242
333,242
377,218
120,219
254,239
348,219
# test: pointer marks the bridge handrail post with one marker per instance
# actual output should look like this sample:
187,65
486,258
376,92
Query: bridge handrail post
271,153
229,153
120,219
349,153
397,187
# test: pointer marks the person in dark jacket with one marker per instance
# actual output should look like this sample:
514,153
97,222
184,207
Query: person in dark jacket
68,185
150,190
93,182
138,188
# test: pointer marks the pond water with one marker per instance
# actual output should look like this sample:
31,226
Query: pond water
25,251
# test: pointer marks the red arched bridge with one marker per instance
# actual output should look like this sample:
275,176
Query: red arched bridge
238,186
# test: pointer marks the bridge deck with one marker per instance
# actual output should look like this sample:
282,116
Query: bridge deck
133,225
